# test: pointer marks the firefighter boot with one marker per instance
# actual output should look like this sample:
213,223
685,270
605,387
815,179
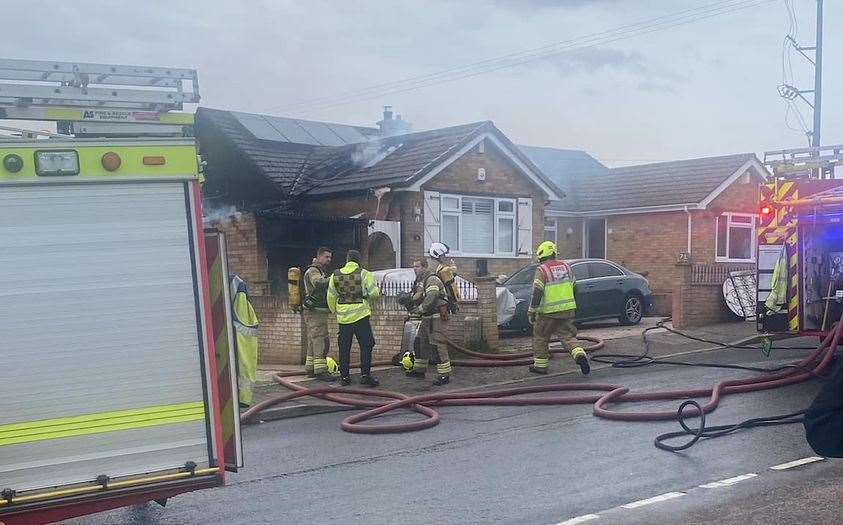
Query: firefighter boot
539,365
581,358
369,381
443,379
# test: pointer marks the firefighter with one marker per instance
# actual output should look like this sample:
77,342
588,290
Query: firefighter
315,312
552,309
246,339
349,291
432,306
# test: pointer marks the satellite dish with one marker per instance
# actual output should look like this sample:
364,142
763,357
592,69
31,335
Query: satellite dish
740,291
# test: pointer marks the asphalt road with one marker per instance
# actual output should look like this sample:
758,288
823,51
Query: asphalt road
524,465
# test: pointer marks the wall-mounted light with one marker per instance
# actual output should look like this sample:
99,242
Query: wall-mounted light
569,231
417,213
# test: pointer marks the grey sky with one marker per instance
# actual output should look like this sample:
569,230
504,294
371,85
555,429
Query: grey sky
701,89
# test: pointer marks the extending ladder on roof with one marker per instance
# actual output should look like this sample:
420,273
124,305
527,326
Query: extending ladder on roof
805,162
98,99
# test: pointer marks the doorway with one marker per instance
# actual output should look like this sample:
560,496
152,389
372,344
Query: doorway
594,246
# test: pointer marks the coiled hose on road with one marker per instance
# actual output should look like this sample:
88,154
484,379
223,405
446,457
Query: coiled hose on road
379,402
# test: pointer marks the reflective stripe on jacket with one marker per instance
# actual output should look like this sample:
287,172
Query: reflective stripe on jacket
352,312
554,281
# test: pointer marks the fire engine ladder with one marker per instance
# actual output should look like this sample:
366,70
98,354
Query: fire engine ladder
98,99
805,162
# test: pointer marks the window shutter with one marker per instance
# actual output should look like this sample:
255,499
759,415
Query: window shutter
431,218
525,226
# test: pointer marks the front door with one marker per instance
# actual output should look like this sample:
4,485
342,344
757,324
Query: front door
595,238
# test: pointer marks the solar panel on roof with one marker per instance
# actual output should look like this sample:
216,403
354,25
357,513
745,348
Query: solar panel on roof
349,134
321,133
290,128
259,127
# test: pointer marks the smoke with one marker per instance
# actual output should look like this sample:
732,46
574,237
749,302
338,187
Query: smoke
219,215
368,154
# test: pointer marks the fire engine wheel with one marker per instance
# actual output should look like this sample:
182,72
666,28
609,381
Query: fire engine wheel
633,310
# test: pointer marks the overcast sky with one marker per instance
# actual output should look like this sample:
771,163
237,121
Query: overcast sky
705,88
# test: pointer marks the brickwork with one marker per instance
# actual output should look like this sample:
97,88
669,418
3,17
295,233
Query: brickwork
281,331
503,179
698,304
246,255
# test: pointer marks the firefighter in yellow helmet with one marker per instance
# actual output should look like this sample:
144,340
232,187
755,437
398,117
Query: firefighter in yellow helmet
552,309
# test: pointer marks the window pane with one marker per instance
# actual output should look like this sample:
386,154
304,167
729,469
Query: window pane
580,271
478,225
740,243
450,203
603,270
743,220
505,206
721,236
505,240
524,276
450,231
549,235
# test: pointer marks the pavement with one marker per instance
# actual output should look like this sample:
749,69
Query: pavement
529,464
619,339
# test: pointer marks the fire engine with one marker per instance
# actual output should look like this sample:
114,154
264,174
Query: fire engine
118,371
800,242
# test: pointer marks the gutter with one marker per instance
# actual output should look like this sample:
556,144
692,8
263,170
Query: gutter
627,211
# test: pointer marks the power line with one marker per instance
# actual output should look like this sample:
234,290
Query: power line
514,59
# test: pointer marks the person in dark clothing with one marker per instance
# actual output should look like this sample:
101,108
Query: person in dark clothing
824,418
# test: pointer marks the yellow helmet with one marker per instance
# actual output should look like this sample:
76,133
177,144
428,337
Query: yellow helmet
333,367
546,249
407,361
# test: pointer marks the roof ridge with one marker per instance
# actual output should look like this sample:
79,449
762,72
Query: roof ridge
681,161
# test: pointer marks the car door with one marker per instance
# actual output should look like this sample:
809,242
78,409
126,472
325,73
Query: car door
585,301
604,288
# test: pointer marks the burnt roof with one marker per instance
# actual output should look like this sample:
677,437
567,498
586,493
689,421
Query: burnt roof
298,169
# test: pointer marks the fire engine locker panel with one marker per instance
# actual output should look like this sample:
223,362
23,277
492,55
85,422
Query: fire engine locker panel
97,285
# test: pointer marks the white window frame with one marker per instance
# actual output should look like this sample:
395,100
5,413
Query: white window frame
554,228
727,216
496,215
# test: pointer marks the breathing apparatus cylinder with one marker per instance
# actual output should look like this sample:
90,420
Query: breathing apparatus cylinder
294,288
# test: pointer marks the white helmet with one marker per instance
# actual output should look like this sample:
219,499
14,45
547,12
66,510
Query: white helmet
437,250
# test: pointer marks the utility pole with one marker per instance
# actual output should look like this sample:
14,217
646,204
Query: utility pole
818,78
791,93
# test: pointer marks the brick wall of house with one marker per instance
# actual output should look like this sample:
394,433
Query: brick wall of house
740,197
246,255
503,179
650,242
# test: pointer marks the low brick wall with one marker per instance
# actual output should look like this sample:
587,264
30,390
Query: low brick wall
698,297
281,332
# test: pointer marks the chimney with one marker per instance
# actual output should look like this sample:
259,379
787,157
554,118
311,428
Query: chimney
390,126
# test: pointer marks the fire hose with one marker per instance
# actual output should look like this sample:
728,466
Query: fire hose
379,402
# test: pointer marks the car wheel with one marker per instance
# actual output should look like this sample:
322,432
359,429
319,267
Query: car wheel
633,310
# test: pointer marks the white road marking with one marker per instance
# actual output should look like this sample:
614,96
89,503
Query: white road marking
728,482
579,519
797,463
654,499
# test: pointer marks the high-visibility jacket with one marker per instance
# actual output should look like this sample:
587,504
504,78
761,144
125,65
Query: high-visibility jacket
555,283
246,340
778,294
349,291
